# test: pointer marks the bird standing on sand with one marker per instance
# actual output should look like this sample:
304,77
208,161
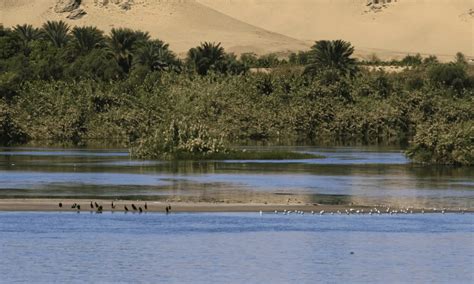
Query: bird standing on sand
125,207
140,209
78,207
96,205
134,207
112,205
167,210
92,205
146,206
60,205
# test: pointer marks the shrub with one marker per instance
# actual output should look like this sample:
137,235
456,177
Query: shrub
440,143
10,132
180,139
450,75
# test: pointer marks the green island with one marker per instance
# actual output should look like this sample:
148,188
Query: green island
72,85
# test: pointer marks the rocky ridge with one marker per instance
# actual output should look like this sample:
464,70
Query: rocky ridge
376,6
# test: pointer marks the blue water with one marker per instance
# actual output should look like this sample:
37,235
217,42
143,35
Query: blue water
363,175
235,248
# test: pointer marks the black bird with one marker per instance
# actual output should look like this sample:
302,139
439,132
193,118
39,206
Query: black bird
78,207
96,205
140,209
112,205
99,209
92,205
134,207
74,206
169,207
60,205
125,207
146,206
167,210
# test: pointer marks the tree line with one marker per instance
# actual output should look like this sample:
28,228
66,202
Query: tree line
70,85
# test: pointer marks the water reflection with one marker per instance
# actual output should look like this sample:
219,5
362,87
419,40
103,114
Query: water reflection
358,175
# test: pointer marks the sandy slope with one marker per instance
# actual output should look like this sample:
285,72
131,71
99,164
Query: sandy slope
182,23
440,27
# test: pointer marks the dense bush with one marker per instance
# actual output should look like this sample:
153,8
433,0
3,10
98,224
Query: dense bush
372,108
10,131
450,75
441,143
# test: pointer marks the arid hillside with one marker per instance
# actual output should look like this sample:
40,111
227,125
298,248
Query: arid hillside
440,27
182,23
391,30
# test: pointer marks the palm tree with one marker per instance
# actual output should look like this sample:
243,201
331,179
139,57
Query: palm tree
122,43
85,39
334,54
206,57
57,32
155,55
27,32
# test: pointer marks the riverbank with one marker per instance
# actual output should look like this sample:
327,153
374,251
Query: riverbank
160,206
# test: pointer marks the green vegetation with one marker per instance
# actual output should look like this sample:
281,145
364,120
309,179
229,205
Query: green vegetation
335,55
444,144
181,141
63,85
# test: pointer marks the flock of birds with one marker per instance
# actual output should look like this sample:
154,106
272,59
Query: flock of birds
373,211
99,208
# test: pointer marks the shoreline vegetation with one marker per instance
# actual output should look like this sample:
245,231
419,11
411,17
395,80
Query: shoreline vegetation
68,85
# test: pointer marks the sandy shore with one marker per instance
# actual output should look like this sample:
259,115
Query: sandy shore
158,206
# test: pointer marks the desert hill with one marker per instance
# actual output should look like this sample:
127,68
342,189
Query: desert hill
182,23
389,28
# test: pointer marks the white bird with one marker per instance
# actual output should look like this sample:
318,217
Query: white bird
261,213
321,212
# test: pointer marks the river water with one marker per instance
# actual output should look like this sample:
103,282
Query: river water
235,248
116,247
362,175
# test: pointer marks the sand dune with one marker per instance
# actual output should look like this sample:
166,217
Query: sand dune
440,27
182,23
